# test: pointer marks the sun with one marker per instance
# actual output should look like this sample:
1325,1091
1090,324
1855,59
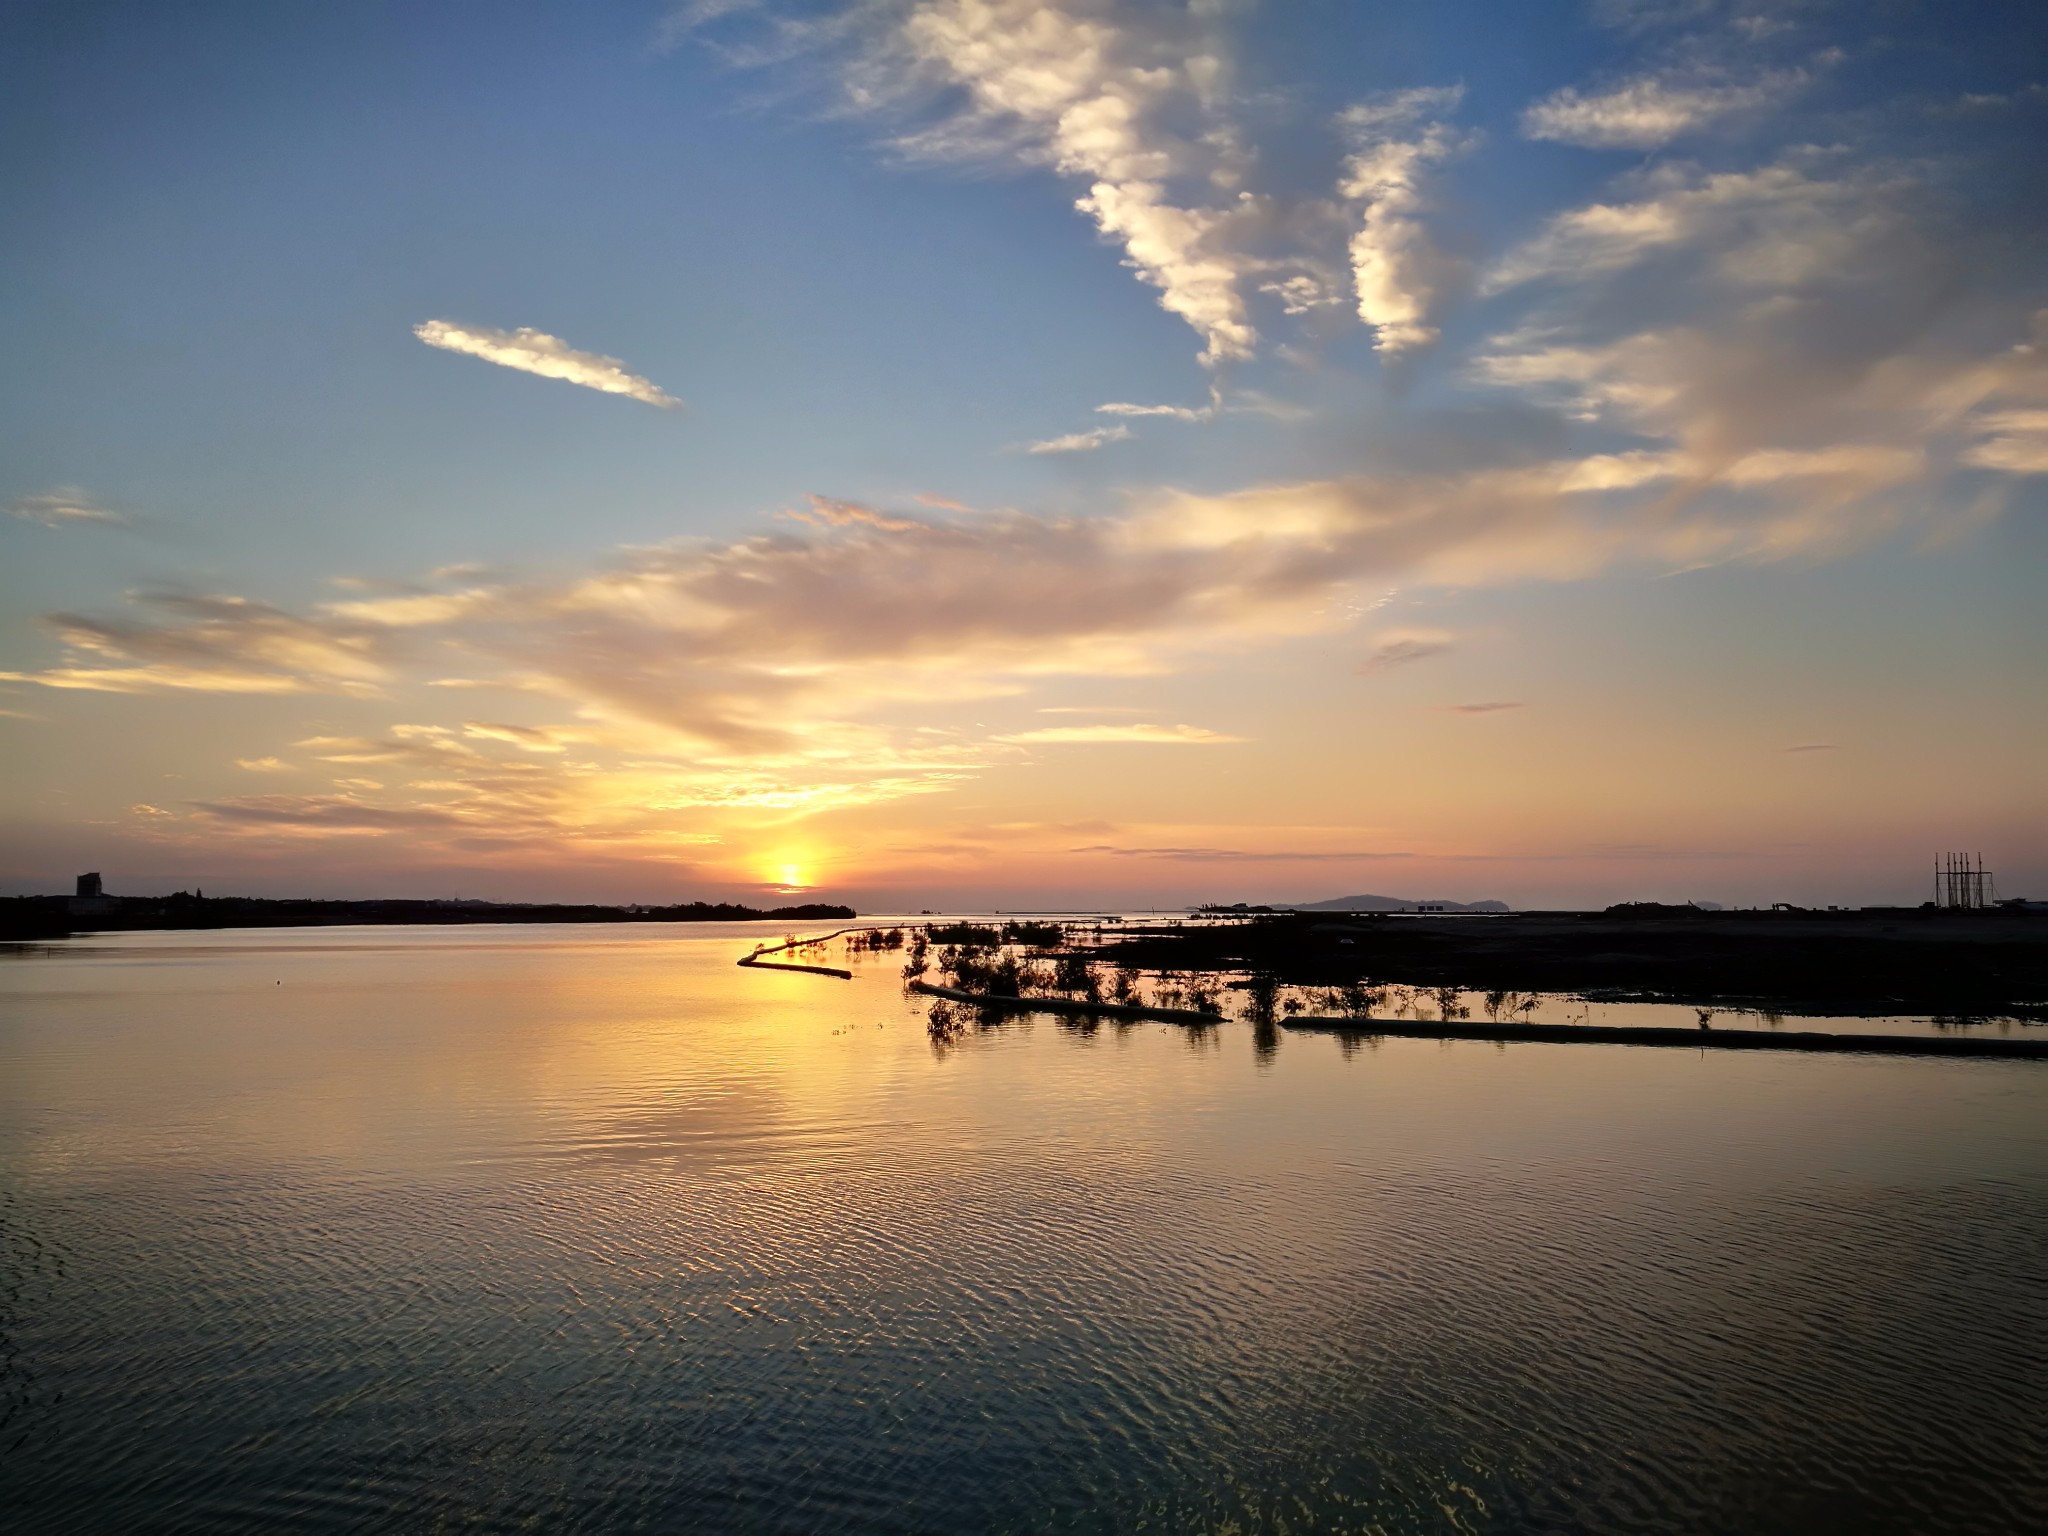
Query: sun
790,869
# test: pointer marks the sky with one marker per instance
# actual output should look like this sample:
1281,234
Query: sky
978,453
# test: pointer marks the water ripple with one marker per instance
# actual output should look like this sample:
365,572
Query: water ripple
638,1246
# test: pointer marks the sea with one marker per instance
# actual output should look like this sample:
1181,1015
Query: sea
586,1228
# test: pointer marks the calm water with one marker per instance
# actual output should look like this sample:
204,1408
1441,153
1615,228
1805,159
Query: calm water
583,1228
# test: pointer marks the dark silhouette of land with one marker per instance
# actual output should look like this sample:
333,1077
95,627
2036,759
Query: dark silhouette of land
1683,1039
1875,961
1550,1034
1392,904
52,917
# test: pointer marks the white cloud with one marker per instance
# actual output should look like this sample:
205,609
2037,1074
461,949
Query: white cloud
1398,272
1080,442
532,351
1241,402
65,507
1170,412
1392,112
1304,293
1649,112
1136,103
1092,97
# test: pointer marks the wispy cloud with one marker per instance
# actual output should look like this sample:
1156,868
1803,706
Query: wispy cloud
1170,412
532,351
212,645
1158,735
1813,746
1649,112
2015,441
1201,855
528,738
1242,402
1401,650
323,816
1080,442
1487,707
1775,226
834,512
66,507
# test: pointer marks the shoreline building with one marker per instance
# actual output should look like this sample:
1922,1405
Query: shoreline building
91,899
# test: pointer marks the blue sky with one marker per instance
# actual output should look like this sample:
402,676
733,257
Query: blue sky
1653,368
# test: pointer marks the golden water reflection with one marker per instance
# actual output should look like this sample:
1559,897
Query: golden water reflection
581,1227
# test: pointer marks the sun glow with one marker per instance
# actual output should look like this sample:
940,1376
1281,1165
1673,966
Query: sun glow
791,870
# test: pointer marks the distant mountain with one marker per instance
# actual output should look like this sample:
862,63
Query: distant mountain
1392,904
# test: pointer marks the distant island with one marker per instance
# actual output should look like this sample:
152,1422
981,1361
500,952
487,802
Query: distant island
1393,904
90,911
1367,904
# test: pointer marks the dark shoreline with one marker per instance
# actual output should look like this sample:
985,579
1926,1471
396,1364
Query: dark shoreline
1872,962
1681,1039
52,917
1535,1034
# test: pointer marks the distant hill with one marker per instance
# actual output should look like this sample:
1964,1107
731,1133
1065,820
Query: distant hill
1392,904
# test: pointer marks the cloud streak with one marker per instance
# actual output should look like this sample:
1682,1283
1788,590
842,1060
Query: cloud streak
1650,112
1404,650
1775,226
1239,855
2015,441
66,507
536,352
1094,735
1080,442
